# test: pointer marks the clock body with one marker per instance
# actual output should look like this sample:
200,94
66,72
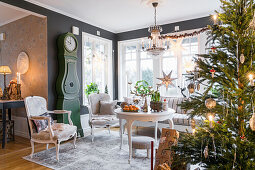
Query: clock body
68,85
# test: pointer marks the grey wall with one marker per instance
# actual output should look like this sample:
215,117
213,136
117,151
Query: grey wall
58,24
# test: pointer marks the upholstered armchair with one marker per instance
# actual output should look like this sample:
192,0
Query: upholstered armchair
42,127
96,118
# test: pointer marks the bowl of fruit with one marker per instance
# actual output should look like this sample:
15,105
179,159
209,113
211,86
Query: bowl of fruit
130,108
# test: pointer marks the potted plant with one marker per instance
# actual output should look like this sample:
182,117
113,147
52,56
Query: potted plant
91,88
156,104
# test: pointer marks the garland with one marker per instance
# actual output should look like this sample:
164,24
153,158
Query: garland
184,35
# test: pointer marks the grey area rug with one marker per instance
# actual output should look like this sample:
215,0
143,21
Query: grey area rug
103,154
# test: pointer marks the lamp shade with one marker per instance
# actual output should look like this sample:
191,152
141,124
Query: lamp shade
5,70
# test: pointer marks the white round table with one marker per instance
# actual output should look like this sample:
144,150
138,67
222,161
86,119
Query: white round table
149,116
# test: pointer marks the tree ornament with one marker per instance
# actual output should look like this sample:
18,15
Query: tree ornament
252,122
213,49
210,103
198,86
212,71
167,80
206,150
242,58
191,88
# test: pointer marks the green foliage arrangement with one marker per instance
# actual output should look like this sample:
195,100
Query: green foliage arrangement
142,87
91,88
155,97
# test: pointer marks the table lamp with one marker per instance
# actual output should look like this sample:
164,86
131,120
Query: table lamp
5,70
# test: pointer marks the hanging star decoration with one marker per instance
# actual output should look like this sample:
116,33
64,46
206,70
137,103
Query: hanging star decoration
167,80
176,46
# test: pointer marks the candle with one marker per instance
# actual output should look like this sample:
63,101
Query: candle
18,78
215,19
210,117
251,79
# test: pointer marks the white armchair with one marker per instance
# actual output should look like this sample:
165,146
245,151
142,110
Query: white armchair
97,120
54,133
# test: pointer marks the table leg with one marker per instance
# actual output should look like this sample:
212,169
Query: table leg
4,127
156,133
171,123
129,129
121,132
10,114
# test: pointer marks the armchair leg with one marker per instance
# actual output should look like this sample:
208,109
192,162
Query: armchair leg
57,150
47,146
92,133
74,140
33,148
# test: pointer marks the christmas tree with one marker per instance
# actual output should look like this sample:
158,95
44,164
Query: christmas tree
224,139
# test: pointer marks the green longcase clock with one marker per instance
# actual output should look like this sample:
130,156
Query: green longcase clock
67,85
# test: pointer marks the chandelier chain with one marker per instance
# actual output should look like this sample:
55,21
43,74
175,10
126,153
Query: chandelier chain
155,16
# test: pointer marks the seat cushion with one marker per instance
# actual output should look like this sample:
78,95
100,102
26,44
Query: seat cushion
102,120
61,132
141,142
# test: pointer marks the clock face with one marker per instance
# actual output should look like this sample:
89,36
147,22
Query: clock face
70,43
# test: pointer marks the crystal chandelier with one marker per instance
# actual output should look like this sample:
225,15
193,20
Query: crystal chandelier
156,42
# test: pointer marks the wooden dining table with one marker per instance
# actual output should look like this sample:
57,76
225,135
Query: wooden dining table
8,105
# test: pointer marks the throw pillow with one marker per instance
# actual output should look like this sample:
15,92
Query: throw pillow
107,108
40,125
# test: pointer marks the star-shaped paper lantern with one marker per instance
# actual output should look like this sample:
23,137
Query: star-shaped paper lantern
176,46
167,80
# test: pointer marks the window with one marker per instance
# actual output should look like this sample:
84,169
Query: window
135,64
96,63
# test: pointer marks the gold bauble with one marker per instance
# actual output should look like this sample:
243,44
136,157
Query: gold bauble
191,88
252,122
210,103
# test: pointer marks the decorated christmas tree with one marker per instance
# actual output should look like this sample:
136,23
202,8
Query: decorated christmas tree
224,139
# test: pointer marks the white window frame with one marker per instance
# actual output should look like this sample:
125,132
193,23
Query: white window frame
157,63
110,65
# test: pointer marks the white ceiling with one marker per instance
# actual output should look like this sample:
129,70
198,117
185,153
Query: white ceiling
125,15
10,14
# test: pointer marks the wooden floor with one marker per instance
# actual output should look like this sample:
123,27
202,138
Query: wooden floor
11,156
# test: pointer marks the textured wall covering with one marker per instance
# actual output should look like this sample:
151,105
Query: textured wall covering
27,34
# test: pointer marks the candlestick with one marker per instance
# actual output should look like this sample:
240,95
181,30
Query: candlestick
18,78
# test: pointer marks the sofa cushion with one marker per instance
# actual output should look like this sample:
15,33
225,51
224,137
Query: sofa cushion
107,108
94,100
40,125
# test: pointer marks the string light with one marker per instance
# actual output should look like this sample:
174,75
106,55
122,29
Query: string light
251,77
215,18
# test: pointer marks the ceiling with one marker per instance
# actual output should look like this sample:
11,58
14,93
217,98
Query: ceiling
10,14
125,15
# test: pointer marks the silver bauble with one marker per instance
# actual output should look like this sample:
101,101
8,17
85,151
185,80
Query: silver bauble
242,58
252,122
210,103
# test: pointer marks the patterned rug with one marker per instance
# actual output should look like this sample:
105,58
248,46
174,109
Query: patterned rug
103,154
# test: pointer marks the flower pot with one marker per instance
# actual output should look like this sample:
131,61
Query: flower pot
156,106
